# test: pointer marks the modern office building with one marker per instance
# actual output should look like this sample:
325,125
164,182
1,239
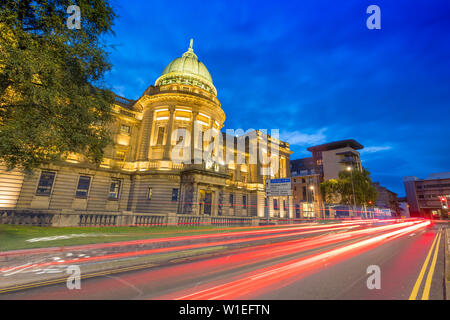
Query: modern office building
326,162
428,197
331,158
139,178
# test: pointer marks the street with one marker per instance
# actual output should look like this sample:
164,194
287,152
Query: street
330,264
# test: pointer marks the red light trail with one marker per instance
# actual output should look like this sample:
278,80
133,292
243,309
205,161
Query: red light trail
275,275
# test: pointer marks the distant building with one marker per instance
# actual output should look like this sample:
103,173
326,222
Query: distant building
306,194
387,199
428,197
331,158
404,207
326,162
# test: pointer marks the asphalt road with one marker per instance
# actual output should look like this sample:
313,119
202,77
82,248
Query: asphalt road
327,266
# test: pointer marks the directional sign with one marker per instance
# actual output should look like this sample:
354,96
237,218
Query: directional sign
278,187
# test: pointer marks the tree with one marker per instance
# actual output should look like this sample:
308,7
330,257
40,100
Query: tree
331,191
52,100
340,191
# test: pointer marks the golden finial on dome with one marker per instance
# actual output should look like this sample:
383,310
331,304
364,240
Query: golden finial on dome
191,46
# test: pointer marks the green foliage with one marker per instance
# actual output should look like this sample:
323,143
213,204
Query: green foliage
331,190
49,105
340,191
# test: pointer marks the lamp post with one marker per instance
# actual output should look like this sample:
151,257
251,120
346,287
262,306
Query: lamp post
349,168
312,199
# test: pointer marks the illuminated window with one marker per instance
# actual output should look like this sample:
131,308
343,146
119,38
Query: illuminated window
125,129
120,155
114,189
160,136
149,193
174,194
83,187
45,183
275,204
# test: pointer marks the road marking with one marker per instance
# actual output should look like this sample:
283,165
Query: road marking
416,288
63,280
426,290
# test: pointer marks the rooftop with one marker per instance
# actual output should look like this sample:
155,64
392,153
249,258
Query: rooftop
337,145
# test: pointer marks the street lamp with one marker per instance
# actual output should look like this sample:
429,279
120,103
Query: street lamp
312,198
349,168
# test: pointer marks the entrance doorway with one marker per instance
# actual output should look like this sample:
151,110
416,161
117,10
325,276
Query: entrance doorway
205,202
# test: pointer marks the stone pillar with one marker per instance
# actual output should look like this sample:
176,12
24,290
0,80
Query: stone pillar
145,135
168,145
271,208
291,207
195,200
193,131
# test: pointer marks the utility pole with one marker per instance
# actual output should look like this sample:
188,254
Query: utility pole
353,188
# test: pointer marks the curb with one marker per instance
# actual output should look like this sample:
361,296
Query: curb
112,267
447,264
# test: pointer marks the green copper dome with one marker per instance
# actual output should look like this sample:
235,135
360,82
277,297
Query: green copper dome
187,70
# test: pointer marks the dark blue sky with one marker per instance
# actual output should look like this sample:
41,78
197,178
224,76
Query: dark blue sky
309,68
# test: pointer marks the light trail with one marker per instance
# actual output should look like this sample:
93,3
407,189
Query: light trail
258,280
186,247
177,238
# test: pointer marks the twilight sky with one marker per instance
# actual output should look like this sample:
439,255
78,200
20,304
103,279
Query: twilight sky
309,68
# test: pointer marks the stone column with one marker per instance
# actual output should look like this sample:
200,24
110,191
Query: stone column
168,145
291,207
194,118
145,135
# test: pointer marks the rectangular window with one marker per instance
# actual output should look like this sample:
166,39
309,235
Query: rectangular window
149,193
120,155
45,183
174,194
125,129
284,205
275,204
114,189
244,202
83,187
160,140
231,199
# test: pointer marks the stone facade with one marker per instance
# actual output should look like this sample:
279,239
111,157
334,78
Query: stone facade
139,177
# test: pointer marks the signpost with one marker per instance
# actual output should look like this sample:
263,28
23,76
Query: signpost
278,188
